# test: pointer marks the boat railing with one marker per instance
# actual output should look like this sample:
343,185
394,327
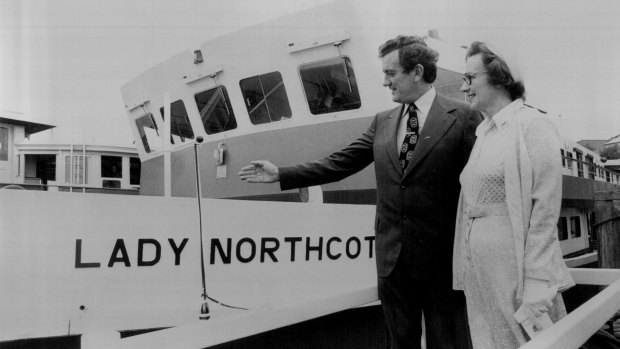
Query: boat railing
570,332
590,170
580,324
70,188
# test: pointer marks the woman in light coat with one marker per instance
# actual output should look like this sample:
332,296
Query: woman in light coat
507,257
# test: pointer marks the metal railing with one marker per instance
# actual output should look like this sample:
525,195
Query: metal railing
578,326
70,188
589,170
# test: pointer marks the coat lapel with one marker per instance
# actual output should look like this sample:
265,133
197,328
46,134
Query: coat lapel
392,150
437,123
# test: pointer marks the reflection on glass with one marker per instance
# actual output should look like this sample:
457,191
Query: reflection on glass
265,97
149,135
330,86
180,127
215,110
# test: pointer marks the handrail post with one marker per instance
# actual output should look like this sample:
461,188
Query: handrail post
607,227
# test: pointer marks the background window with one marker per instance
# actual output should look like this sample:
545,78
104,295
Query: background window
215,110
112,166
134,171
80,169
575,227
4,144
149,135
562,229
330,86
265,97
180,127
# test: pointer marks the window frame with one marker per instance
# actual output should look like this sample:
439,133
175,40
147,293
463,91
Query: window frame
319,101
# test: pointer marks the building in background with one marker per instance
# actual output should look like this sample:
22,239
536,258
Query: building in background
62,167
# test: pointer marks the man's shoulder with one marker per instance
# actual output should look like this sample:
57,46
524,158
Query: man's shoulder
452,103
386,113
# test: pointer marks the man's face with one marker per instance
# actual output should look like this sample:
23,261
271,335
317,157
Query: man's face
403,85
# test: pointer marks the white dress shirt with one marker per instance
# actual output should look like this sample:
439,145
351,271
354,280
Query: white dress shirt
423,106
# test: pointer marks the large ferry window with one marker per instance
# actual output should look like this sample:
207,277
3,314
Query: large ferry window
330,86
215,110
111,166
180,127
265,97
147,129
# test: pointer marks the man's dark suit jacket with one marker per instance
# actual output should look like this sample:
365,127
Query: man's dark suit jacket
416,210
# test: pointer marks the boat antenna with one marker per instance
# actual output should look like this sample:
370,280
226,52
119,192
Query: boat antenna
204,309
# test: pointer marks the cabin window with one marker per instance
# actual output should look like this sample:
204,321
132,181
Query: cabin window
569,161
608,176
575,227
265,97
80,169
4,144
180,127
215,110
579,164
147,129
562,229
591,168
111,166
330,86
134,171
111,184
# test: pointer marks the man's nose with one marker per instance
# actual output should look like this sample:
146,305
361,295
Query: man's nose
386,81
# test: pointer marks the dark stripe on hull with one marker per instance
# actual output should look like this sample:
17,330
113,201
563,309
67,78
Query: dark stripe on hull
360,197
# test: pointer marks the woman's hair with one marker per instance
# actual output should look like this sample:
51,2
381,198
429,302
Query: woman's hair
412,50
498,70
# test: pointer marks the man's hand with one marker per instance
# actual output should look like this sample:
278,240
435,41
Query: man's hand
260,171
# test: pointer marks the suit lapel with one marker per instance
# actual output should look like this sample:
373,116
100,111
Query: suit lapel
392,150
437,123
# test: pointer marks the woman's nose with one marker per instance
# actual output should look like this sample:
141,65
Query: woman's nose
464,87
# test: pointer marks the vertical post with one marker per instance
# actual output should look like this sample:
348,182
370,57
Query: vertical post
607,215
84,168
71,168
166,144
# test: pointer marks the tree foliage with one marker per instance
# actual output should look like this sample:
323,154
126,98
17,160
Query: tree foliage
611,152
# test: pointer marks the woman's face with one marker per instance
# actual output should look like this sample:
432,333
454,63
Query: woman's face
480,94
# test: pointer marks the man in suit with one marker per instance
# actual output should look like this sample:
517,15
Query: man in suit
419,150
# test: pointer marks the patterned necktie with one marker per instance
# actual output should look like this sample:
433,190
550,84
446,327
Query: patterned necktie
411,138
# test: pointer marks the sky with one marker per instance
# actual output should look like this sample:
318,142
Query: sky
63,62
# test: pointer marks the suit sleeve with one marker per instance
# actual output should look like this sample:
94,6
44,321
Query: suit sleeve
341,164
543,146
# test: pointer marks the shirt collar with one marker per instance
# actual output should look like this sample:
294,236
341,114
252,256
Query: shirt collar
500,118
424,103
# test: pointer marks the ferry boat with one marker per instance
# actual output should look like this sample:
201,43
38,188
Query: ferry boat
269,268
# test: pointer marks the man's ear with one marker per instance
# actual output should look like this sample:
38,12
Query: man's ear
418,70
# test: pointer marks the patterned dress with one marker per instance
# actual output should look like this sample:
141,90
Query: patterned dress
491,275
